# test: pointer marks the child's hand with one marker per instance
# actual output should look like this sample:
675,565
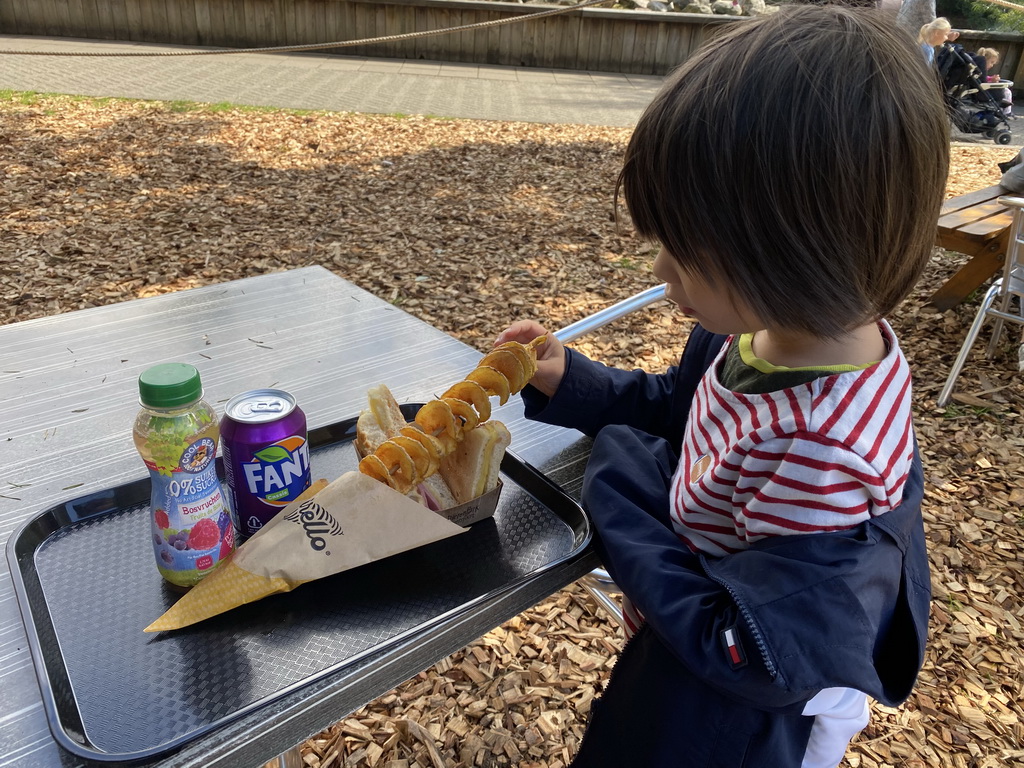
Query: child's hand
550,354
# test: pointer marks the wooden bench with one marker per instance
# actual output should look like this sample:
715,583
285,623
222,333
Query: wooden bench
976,225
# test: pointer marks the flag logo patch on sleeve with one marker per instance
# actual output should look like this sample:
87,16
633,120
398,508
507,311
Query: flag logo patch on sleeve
733,647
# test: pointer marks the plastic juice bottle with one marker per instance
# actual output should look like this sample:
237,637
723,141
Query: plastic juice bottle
176,433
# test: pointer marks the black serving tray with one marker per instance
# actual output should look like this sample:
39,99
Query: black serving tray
87,585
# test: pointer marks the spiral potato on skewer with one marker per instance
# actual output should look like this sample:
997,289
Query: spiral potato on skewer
405,461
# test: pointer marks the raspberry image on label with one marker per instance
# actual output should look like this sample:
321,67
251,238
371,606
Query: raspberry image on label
162,522
205,535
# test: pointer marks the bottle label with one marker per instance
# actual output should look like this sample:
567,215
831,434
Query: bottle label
191,527
198,456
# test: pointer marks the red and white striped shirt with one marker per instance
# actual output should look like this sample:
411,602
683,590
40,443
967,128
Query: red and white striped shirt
821,456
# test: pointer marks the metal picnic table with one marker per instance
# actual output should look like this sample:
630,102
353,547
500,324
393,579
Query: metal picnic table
68,383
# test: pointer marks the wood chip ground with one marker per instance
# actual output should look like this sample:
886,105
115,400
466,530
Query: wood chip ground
469,225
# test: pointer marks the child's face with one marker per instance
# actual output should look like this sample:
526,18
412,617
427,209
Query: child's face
716,308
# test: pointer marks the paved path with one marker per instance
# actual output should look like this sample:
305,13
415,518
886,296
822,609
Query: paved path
338,83
343,83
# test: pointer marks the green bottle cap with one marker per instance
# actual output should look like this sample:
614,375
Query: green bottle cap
170,385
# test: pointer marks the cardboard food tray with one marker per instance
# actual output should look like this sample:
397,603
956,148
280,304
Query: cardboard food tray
86,584
468,512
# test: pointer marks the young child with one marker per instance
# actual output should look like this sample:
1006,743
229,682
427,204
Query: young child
1003,95
759,503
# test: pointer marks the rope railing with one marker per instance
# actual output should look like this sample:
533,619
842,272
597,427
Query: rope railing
1005,4
319,46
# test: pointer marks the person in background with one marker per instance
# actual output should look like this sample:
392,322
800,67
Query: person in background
1013,174
932,35
1003,95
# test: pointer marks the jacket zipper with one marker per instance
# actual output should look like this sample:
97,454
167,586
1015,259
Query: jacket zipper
762,646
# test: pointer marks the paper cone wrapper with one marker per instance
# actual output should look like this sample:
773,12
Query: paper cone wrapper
353,521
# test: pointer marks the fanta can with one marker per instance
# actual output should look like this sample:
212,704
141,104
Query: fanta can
266,458
176,434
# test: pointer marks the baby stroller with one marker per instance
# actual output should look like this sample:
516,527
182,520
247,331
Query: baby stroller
973,104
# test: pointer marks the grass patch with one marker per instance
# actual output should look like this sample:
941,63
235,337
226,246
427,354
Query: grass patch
24,98
220,106
959,411
34,98
182,106
227,106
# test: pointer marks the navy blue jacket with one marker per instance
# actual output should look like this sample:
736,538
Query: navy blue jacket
845,609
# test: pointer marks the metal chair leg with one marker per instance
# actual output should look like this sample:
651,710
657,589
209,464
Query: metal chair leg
598,583
997,326
290,759
965,349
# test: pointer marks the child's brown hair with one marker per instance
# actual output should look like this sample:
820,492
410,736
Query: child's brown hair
800,159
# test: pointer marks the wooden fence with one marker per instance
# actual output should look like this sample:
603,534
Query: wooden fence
596,39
